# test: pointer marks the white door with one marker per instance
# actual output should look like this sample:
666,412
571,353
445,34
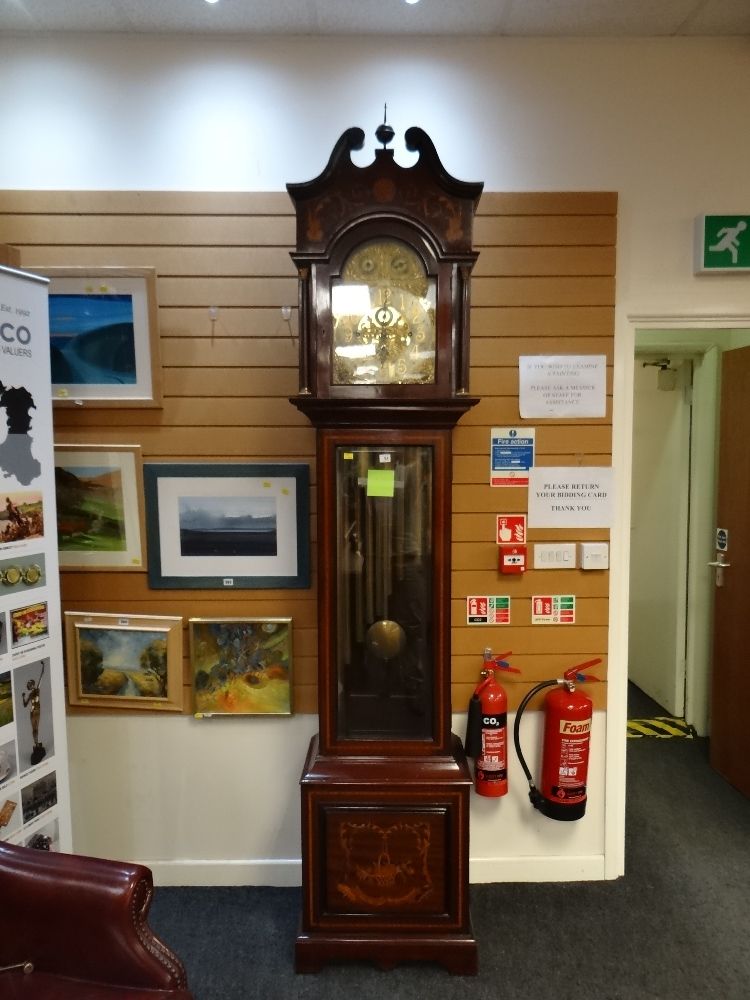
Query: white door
659,533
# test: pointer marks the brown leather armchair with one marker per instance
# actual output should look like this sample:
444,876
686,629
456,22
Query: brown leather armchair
75,928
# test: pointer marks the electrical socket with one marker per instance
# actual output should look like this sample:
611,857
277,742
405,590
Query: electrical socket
594,555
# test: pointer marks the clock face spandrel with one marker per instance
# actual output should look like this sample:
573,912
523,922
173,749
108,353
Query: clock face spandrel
384,630
383,314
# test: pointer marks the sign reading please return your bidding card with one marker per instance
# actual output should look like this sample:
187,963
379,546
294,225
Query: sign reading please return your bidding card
575,497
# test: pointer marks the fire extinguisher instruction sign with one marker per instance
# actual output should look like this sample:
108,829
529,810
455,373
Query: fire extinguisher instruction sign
553,609
488,610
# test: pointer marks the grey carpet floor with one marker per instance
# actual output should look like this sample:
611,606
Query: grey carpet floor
676,927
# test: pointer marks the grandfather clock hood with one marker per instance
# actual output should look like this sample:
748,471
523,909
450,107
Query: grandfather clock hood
425,193
402,235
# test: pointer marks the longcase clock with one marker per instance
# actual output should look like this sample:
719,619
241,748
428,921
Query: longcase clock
384,255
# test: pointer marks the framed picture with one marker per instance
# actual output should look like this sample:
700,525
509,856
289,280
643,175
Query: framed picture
21,516
241,666
29,624
39,796
32,690
227,526
123,662
21,574
99,492
6,699
104,338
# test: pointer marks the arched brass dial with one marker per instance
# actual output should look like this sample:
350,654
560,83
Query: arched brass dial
383,314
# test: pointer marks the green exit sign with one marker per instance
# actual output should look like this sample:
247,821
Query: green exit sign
722,243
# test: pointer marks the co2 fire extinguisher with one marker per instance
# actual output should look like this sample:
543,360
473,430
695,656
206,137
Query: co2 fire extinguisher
565,750
487,729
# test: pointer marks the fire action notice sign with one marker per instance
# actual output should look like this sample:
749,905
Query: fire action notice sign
511,455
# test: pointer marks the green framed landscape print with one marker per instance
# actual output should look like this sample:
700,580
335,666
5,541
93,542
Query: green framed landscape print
99,490
241,666
124,662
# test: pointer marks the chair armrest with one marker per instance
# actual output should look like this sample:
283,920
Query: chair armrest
82,917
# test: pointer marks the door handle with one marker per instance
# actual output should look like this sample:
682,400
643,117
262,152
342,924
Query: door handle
719,565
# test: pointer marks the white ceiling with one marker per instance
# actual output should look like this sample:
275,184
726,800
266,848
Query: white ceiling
557,18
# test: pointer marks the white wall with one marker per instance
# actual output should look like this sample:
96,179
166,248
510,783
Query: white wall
661,122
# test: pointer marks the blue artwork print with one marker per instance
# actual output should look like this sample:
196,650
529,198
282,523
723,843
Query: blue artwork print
92,339
228,526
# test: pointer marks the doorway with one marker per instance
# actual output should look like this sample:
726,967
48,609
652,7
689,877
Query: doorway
659,528
671,552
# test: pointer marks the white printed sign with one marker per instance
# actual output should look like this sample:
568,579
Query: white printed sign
561,497
565,385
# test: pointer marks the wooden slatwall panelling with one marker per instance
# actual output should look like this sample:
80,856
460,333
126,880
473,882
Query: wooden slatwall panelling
9,256
543,284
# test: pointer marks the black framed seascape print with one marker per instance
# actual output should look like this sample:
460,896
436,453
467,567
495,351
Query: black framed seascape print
229,525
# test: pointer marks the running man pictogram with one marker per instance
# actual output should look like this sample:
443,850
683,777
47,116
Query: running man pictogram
729,239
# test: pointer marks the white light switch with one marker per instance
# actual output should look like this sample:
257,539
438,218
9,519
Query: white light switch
554,555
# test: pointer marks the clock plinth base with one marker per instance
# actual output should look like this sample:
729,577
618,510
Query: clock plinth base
386,860
457,953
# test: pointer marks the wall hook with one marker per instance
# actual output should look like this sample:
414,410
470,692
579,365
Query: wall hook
286,315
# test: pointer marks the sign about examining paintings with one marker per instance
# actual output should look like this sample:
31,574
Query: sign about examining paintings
562,386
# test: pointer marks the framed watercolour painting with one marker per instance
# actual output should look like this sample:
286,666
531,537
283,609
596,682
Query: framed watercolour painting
227,526
104,339
99,506
124,662
241,666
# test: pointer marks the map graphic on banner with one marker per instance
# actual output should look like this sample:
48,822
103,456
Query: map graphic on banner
16,458
34,798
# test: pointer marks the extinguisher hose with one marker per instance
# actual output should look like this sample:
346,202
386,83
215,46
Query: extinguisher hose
534,794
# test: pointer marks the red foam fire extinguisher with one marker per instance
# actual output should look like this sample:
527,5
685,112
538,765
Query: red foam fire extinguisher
487,729
565,751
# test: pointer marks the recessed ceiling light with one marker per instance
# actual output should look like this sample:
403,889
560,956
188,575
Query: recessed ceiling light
212,1
412,1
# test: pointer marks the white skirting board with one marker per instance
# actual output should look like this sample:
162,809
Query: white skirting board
289,872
